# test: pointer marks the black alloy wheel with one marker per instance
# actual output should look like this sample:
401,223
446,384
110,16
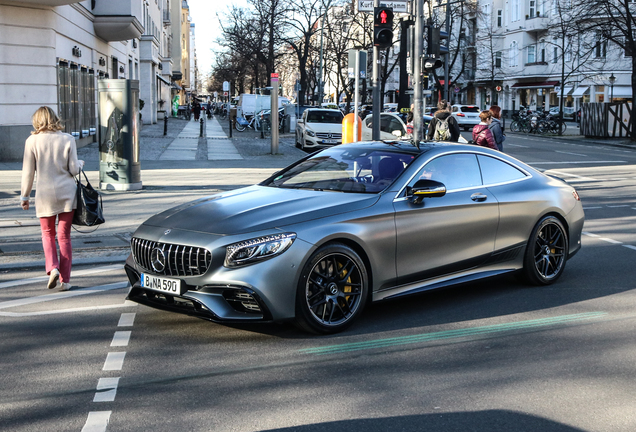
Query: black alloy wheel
546,253
332,290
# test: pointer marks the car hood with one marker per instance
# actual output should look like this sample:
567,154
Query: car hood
257,208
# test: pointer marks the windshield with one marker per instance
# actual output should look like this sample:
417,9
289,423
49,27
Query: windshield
470,109
344,170
324,117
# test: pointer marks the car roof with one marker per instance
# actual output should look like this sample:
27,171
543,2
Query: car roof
324,109
408,147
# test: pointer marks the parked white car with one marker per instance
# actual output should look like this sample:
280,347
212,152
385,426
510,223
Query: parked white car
391,127
467,116
319,127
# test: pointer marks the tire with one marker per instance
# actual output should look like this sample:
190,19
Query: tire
546,252
514,126
239,127
332,290
297,142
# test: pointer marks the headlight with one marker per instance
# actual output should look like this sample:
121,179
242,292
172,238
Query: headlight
258,249
311,133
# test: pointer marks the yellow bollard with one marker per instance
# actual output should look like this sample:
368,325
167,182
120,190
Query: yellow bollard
347,128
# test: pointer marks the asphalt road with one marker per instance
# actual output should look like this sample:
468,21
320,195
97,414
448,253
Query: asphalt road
488,356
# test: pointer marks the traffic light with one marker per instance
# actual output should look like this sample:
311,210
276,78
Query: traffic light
383,27
435,48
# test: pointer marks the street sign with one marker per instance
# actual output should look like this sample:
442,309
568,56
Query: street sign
225,93
399,6
274,76
226,86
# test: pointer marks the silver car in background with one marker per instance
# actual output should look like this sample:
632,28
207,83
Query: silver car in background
352,224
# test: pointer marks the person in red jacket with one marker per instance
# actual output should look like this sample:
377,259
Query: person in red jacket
482,135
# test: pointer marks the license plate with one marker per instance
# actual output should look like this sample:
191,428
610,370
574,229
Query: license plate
161,284
331,141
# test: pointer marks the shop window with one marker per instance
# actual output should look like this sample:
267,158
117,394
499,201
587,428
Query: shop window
76,99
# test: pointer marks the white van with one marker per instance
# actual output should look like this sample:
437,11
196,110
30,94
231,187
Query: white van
250,104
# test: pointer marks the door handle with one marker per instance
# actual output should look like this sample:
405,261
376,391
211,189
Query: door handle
479,197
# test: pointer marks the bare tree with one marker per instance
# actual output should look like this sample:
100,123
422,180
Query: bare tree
614,21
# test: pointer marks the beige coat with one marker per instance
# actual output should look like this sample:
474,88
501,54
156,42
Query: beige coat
53,156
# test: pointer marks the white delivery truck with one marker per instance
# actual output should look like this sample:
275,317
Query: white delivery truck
250,104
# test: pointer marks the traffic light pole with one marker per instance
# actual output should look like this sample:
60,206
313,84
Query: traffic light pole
418,118
375,131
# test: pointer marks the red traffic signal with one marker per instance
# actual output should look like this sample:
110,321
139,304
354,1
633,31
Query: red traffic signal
382,27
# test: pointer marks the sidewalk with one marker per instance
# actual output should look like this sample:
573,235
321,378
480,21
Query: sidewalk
175,168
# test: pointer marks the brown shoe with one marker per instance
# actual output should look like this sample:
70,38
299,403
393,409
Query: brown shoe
53,278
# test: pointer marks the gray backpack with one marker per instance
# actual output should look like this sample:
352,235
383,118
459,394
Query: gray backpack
442,130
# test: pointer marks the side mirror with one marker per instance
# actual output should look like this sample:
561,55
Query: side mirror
427,189
397,133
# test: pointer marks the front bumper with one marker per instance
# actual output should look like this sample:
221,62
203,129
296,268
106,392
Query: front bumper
263,291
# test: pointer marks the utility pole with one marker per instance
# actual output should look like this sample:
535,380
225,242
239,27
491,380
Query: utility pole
321,89
377,106
447,60
418,119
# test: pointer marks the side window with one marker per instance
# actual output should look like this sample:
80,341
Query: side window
496,171
385,123
456,171
369,121
396,125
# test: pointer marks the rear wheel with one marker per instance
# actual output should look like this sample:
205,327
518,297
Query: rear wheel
239,127
332,290
546,253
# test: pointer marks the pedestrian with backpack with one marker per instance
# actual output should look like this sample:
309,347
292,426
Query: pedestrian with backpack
495,126
443,126
482,135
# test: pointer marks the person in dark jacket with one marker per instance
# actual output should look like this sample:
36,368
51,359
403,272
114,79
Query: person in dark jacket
482,136
496,127
443,113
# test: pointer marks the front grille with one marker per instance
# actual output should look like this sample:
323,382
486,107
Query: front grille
178,260
325,135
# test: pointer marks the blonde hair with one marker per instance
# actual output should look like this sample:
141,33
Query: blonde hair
45,120
485,115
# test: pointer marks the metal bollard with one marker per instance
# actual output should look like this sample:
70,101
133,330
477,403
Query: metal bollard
201,129
165,125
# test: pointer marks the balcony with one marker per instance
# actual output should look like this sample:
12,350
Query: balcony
118,20
537,23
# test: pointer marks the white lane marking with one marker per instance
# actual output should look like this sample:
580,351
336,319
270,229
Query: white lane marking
108,384
618,206
591,208
127,303
609,240
86,272
516,145
574,154
97,421
561,173
630,247
573,162
62,295
126,320
120,338
114,361
589,234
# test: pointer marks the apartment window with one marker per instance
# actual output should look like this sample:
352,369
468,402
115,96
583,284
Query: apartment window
515,10
532,54
555,50
498,59
532,8
628,49
542,52
499,18
76,99
600,50
513,55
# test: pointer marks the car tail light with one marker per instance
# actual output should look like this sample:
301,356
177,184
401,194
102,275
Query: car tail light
576,195
461,115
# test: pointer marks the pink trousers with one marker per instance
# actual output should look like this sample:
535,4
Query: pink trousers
63,238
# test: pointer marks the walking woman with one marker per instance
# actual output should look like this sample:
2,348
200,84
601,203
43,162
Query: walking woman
53,155
482,135
495,126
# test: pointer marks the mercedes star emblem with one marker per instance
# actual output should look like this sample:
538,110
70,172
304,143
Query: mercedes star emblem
166,232
157,260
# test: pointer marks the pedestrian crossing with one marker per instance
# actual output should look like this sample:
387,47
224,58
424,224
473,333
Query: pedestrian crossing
185,146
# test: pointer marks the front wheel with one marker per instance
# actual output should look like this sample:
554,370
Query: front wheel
546,253
332,290
239,127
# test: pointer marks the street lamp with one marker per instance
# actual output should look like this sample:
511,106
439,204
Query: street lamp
320,84
612,80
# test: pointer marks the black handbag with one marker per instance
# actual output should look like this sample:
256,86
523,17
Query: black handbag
89,204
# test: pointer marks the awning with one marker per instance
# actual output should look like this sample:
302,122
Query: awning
163,79
621,92
580,91
566,91
535,85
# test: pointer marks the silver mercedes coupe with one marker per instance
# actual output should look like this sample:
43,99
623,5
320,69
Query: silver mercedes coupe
353,224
